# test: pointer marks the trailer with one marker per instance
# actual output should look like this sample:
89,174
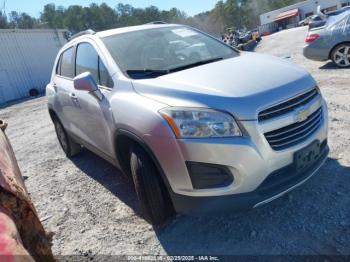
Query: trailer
26,59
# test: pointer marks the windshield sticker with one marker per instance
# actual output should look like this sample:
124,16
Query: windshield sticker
184,32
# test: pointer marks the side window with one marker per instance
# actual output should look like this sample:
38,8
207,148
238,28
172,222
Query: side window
87,60
105,78
67,63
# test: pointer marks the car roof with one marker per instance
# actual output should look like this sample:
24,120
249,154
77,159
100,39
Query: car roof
122,30
335,19
117,31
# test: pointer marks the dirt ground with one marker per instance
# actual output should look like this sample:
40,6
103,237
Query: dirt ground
93,210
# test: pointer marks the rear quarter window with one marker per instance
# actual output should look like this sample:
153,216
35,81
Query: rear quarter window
58,66
67,68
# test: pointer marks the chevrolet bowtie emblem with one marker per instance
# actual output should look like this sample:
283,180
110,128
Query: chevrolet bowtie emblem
302,115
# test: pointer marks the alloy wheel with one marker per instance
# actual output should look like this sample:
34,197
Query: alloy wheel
341,56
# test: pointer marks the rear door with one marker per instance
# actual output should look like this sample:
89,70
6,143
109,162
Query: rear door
64,87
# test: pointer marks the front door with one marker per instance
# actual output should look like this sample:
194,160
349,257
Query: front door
92,116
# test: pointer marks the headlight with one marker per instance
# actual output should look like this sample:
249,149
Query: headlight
200,123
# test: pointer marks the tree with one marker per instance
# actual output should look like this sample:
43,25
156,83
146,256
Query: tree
74,18
276,4
226,14
14,19
3,21
48,15
26,21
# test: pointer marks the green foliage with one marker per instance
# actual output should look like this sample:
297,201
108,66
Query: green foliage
226,14
231,14
18,20
276,4
101,17
3,21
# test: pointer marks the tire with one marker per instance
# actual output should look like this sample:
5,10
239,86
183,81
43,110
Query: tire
69,147
341,55
155,204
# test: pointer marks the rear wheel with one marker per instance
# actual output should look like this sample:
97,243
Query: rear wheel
341,55
150,190
69,147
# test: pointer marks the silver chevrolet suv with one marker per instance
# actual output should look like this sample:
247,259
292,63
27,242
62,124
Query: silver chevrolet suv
197,125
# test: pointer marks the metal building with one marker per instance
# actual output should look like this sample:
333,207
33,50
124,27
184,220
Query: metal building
26,60
289,16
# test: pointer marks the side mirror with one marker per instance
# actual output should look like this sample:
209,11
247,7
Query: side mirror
85,82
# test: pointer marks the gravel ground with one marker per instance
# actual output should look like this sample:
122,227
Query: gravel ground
93,210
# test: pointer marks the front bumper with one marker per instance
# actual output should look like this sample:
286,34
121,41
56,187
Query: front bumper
250,159
275,185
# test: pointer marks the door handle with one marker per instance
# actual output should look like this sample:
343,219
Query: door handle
75,100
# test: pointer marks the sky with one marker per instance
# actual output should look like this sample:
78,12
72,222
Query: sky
34,7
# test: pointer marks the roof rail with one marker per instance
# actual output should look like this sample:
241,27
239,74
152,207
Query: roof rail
86,32
157,23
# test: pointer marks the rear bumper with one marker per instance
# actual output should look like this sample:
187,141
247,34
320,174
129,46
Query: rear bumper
274,186
316,53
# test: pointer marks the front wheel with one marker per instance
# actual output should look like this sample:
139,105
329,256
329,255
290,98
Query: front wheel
341,55
69,147
150,190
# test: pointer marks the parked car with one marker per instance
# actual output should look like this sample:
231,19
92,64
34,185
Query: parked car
330,42
316,21
201,135
320,19
306,21
339,11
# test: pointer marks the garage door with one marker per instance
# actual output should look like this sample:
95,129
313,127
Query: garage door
7,92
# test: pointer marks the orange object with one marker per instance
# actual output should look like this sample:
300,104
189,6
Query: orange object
287,14
173,125
22,236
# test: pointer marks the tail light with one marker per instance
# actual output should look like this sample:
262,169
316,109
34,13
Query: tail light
312,38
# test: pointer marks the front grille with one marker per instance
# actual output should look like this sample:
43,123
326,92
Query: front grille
288,106
296,133
286,176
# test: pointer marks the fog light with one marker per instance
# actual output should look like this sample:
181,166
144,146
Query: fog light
207,176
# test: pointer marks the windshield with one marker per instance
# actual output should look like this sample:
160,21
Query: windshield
153,52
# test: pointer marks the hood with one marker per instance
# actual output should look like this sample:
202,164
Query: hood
241,85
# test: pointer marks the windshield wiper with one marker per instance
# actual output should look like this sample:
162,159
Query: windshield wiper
142,73
153,73
199,63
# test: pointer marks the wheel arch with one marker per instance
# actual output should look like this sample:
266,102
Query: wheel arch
123,141
332,50
52,114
